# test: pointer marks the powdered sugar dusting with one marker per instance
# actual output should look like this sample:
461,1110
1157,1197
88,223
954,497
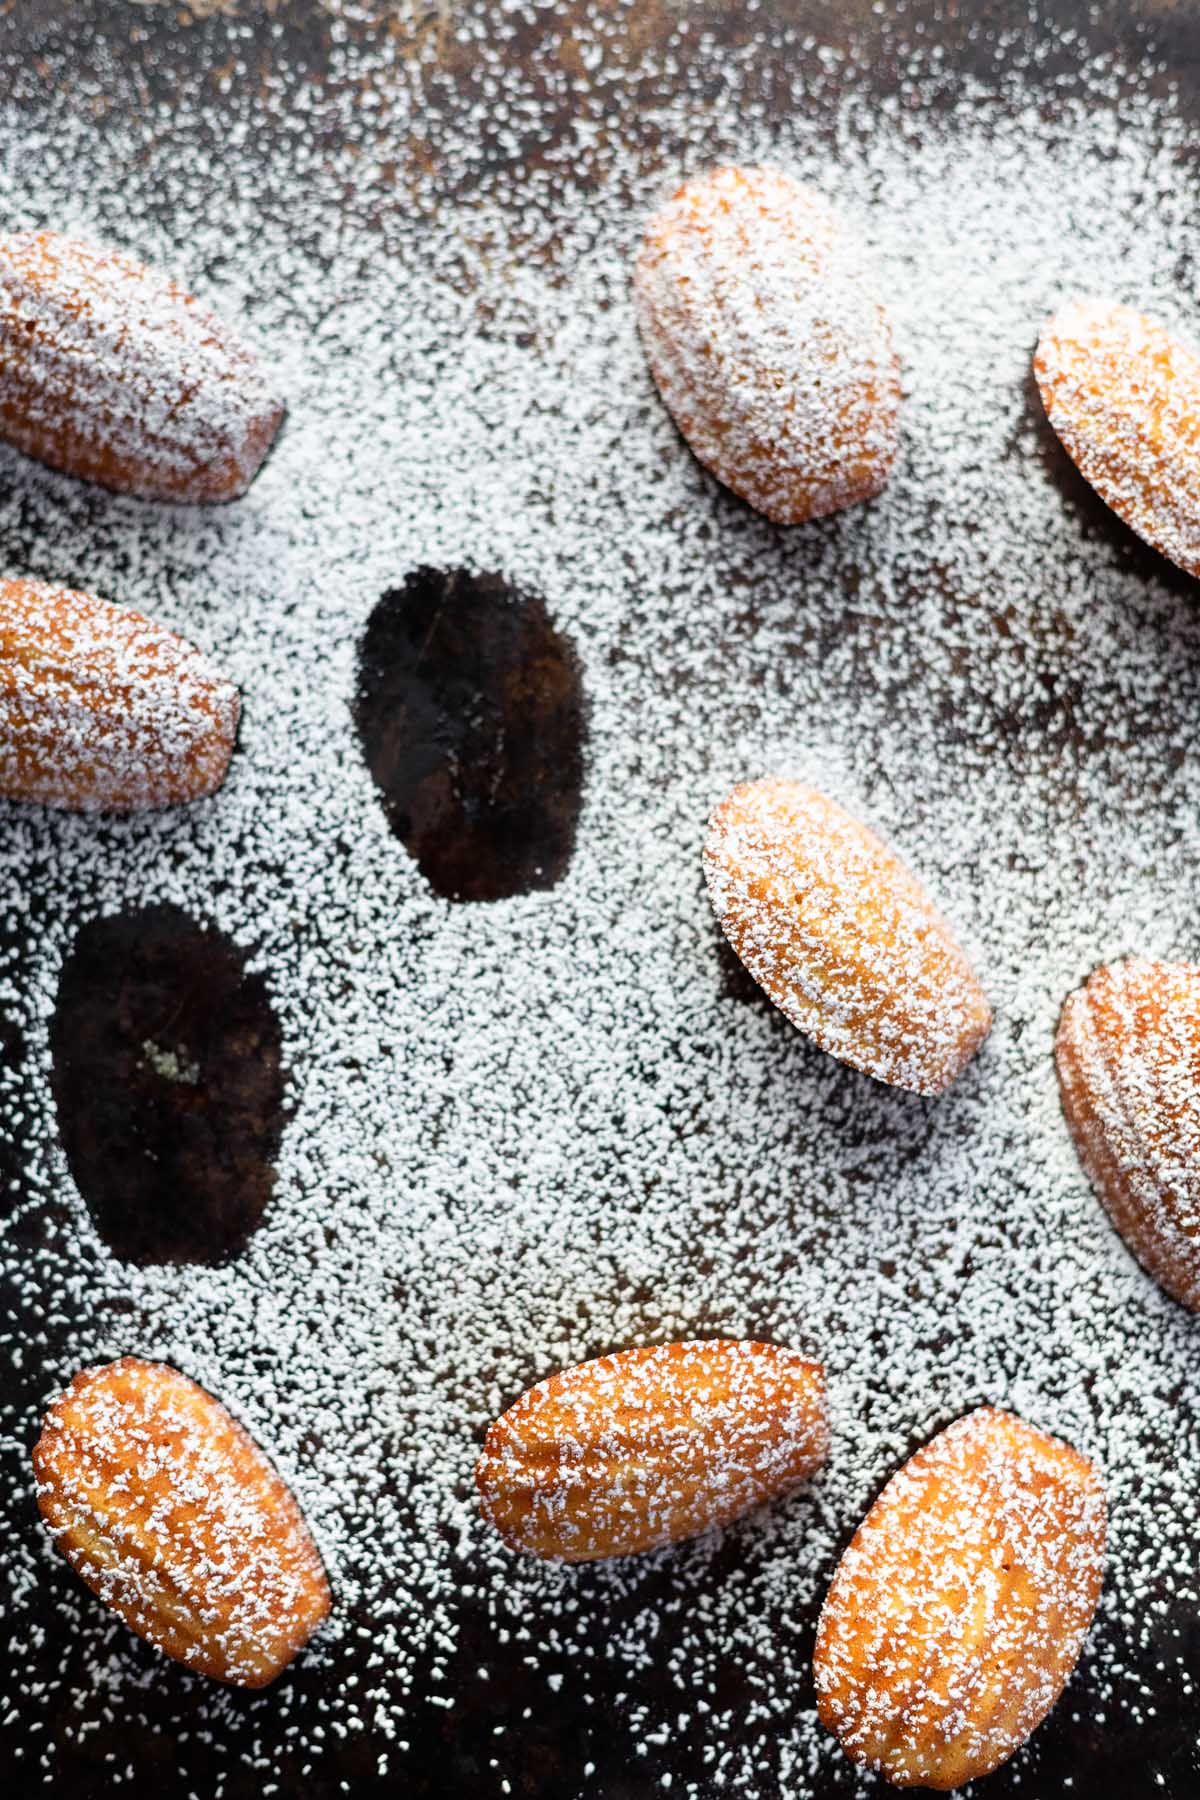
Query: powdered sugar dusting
556,1125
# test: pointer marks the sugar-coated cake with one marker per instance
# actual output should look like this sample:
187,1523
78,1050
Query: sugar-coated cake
1123,395
1128,1054
842,936
771,353
101,709
172,1514
958,1611
648,1446
109,370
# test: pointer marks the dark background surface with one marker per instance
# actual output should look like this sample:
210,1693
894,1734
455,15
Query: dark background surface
502,1736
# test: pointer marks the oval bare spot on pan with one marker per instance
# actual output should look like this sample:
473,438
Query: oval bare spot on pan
469,706
168,1078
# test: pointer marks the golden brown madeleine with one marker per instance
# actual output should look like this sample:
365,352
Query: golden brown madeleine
103,710
1128,1054
1124,397
772,356
959,1609
842,936
639,1449
110,371
175,1518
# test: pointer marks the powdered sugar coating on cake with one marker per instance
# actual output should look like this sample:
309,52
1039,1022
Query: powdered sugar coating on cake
101,709
110,371
174,1517
628,1452
842,935
958,1611
769,350
1128,1053
1123,394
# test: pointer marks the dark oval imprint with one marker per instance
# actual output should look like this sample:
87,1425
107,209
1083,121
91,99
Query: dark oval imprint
168,1079
469,706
